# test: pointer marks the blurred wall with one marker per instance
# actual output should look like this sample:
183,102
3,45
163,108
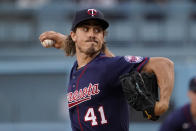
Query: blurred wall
33,80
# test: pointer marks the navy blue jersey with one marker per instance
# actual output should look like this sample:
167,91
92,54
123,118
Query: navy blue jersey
95,98
179,120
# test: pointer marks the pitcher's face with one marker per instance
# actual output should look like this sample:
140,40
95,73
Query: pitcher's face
88,37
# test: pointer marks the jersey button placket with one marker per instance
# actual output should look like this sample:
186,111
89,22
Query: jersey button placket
74,81
74,86
73,77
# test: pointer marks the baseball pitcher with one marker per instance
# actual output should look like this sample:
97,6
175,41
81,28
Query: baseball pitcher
102,85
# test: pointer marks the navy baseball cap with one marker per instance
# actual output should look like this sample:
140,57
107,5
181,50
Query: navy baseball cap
89,14
192,84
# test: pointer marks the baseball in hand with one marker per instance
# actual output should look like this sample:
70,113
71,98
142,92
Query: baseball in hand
48,43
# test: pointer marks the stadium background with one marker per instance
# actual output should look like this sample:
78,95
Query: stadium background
33,79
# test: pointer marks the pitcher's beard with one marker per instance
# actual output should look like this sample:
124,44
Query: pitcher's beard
90,52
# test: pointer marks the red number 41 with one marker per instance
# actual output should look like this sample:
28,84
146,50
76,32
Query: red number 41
90,116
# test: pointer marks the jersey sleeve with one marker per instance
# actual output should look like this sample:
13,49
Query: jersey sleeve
136,62
125,64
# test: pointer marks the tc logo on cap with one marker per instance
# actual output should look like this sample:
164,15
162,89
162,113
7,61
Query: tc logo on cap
92,12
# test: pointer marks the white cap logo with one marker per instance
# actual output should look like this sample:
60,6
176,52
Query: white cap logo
92,12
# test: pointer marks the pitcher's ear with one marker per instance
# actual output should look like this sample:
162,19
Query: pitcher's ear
73,35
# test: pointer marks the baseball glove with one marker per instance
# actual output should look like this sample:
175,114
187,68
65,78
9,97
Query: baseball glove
141,92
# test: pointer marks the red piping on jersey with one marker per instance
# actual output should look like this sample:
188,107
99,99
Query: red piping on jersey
145,60
77,105
104,56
